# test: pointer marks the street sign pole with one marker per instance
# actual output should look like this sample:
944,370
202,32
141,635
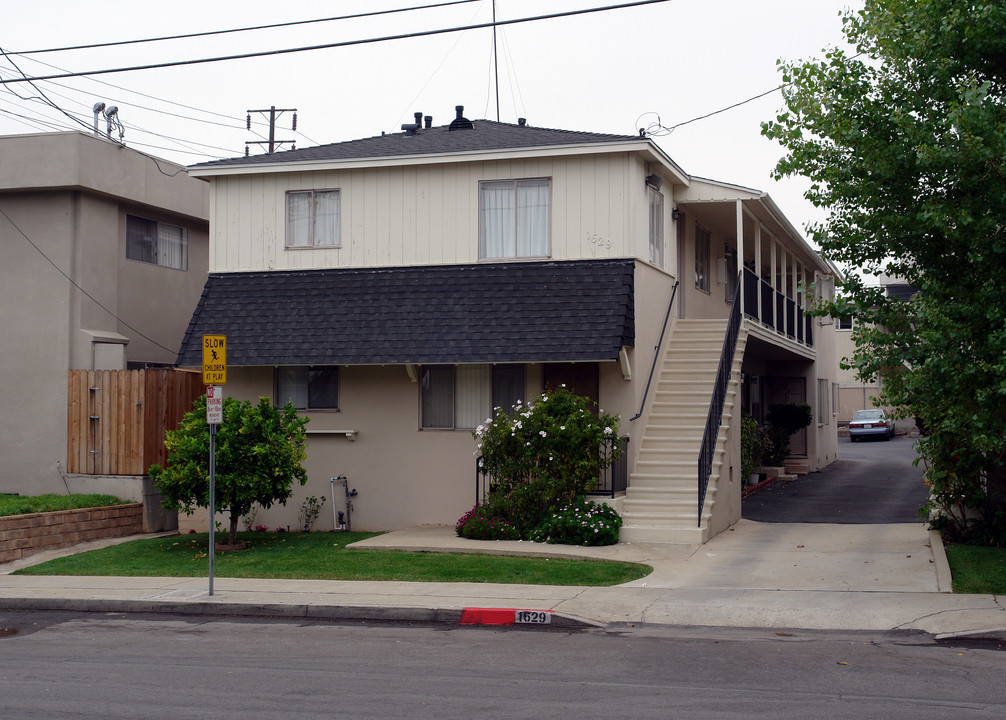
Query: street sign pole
214,375
213,499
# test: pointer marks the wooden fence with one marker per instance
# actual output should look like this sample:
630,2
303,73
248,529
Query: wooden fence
116,419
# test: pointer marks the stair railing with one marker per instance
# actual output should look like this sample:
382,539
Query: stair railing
715,417
656,353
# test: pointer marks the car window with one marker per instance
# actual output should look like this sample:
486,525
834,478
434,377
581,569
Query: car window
868,415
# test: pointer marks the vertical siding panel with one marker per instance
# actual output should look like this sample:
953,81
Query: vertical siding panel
371,248
601,202
394,199
435,214
353,255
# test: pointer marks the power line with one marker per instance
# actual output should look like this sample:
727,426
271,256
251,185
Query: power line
347,43
85,292
244,29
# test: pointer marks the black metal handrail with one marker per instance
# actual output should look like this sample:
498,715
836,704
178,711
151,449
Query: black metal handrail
715,416
613,479
656,353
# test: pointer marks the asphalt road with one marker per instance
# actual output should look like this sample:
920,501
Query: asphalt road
871,482
57,665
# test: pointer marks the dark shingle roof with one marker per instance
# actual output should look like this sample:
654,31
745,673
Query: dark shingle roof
486,135
488,312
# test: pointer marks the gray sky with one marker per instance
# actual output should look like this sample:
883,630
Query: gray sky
612,72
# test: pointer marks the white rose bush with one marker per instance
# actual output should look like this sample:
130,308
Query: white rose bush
542,457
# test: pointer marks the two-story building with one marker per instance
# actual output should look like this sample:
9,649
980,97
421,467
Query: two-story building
104,255
400,287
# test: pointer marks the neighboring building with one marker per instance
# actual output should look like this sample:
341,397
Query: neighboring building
855,394
401,286
104,255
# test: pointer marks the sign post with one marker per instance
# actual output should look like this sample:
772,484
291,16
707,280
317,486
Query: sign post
214,376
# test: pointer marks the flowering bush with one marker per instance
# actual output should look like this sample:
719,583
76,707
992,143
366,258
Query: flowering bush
482,523
580,522
541,456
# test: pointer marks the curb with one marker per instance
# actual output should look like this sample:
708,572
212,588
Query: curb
450,616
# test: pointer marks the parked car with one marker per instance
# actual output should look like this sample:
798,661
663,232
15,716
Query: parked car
870,423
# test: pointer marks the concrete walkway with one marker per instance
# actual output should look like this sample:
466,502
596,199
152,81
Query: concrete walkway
758,575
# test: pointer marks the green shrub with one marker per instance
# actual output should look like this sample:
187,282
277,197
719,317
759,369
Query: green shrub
540,457
581,522
482,522
785,419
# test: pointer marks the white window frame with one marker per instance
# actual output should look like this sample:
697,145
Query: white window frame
823,393
845,324
158,248
656,206
511,247
311,231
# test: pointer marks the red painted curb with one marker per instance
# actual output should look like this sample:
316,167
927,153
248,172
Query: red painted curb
495,616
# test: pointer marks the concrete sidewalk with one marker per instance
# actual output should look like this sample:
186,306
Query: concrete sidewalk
761,575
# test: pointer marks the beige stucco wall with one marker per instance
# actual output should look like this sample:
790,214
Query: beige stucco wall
60,191
409,476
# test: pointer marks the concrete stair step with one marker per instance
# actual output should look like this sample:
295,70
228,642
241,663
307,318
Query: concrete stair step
663,535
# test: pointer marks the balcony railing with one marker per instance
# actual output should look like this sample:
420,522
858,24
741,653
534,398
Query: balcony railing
778,312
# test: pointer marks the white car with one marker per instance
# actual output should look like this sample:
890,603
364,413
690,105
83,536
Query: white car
870,423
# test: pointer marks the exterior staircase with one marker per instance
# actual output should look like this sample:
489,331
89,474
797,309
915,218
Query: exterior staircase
661,501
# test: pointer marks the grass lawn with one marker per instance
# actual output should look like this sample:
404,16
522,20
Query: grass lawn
978,570
323,556
25,504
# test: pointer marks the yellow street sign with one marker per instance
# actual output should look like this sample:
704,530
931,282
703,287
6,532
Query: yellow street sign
214,359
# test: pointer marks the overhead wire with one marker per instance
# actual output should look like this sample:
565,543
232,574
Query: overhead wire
345,43
271,26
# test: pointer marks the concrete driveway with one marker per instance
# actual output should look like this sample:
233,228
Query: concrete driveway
871,482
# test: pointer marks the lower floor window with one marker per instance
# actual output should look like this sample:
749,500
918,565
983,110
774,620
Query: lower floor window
462,396
310,388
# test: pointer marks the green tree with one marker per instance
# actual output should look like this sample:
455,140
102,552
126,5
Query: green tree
904,141
259,451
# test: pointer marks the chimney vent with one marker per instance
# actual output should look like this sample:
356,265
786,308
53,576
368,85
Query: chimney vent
522,122
429,122
461,122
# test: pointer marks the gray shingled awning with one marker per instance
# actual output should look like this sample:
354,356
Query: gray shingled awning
480,313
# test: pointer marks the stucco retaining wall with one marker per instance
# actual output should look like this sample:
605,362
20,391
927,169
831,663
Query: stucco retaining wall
23,535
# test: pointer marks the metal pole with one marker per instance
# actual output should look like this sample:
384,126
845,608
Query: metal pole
213,498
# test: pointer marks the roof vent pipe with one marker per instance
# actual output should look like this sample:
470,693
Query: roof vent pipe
429,121
522,122
461,122
419,120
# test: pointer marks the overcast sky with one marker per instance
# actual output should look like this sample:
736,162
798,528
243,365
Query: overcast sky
613,72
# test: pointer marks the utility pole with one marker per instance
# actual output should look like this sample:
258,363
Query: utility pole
272,142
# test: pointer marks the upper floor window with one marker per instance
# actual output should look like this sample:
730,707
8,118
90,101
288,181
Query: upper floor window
656,227
312,218
844,323
310,388
156,243
514,218
701,258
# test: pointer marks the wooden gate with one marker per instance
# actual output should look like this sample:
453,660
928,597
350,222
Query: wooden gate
117,418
